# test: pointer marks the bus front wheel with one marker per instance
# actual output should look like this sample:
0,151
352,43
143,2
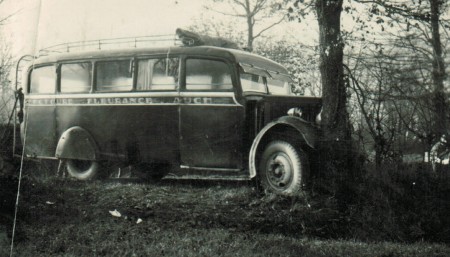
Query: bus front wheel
282,168
82,169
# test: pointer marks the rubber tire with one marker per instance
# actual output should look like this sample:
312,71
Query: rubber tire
281,152
89,170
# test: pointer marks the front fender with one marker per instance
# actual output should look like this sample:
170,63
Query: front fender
77,143
307,132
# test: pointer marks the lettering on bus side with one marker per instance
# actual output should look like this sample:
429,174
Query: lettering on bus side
48,101
134,101
197,100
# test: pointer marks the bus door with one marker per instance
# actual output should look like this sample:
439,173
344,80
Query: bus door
40,109
210,118
158,122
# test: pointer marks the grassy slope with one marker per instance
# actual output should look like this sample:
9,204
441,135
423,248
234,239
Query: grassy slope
70,218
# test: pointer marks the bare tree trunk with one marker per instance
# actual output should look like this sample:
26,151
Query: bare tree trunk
250,24
335,118
438,73
337,173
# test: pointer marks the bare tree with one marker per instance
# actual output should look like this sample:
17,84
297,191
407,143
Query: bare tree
438,74
6,92
421,19
5,68
255,12
337,161
372,105
395,77
378,83
335,118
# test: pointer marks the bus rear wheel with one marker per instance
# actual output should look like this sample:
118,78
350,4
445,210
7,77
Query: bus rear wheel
82,169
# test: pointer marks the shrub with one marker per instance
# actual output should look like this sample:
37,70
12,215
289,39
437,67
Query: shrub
401,203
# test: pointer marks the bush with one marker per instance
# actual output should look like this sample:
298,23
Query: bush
400,203
6,139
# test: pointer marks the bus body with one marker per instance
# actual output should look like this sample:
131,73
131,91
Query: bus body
204,111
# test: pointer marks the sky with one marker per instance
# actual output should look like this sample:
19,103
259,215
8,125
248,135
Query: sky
37,24
41,23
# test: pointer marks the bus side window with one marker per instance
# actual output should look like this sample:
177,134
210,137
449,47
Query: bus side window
158,74
208,75
76,77
43,80
114,76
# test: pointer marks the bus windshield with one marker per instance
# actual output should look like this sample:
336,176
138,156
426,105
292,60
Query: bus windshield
266,85
278,87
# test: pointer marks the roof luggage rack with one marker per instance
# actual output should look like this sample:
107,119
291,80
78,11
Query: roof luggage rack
113,43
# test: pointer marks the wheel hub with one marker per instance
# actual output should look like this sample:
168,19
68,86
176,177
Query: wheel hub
279,170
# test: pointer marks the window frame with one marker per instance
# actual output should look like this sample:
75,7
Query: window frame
30,74
264,82
271,86
183,80
144,58
132,61
59,75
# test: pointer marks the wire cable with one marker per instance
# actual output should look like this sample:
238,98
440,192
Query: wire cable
18,185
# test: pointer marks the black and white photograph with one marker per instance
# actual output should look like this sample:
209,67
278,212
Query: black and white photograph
313,128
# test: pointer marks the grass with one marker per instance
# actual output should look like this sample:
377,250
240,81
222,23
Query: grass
63,217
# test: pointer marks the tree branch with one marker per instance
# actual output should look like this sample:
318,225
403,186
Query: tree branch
227,14
240,3
405,12
2,20
269,27
259,5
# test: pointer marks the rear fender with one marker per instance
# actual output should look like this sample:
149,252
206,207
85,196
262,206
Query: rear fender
77,143
306,132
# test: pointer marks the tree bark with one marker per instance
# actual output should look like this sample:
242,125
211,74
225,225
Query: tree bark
250,25
438,73
337,172
335,118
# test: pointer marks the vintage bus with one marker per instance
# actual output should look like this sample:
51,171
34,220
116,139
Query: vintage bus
187,112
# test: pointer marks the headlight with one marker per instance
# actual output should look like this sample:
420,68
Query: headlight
297,112
319,118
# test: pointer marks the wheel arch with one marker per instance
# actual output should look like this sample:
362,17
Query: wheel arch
286,126
77,143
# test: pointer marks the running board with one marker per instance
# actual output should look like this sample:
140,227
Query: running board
211,177
209,169
207,173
